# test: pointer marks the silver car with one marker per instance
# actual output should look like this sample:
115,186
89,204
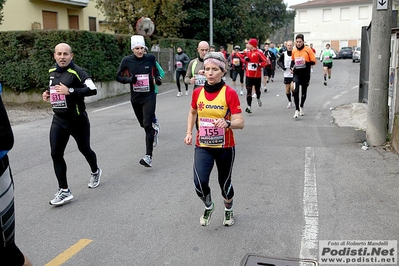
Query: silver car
356,54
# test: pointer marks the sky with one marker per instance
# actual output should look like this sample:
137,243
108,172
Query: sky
294,2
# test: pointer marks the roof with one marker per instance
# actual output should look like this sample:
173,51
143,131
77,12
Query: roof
324,3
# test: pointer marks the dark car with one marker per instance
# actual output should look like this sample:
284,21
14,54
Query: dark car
345,52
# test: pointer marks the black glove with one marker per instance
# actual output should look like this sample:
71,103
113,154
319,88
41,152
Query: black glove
158,80
246,58
134,79
254,65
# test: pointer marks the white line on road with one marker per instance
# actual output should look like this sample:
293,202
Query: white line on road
326,104
310,209
337,96
120,104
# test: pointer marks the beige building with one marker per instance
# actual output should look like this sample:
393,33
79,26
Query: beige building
52,14
337,22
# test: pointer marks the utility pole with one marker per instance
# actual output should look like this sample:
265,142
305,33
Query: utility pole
377,110
210,22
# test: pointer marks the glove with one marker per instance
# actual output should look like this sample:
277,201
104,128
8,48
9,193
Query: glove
246,58
134,79
158,80
284,68
254,65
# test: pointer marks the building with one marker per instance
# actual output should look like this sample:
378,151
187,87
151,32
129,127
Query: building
52,14
337,22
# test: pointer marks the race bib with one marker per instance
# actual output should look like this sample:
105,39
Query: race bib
142,84
236,61
209,134
179,65
200,80
57,100
326,57
300,62
252,66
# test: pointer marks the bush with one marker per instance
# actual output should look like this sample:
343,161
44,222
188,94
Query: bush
27,55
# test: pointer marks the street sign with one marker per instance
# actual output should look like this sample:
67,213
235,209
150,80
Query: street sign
382,4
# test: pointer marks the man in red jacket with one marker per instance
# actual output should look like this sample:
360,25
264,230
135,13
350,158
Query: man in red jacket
256,60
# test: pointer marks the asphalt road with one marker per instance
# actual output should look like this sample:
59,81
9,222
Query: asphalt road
297,181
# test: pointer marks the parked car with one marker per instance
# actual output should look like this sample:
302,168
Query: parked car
356,54
345,52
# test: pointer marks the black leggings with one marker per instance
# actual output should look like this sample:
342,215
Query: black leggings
61,129
178,74
145,113
249,82
304,91
204,159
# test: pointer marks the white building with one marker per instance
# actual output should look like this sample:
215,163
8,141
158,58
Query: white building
337,22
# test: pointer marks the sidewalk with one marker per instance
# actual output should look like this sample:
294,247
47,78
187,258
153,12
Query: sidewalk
351,115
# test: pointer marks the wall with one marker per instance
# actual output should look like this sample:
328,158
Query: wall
104,90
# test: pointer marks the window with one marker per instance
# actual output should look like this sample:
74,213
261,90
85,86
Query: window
327,15
345,13
73,22
363,12
302,16
49,20
92,24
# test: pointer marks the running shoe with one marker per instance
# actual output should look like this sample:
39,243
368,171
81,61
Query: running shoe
156,133
289,105
248,110
301,112
296,114
146,161
265,90
241,92
329,76
95,179
254,95
179,94
186,92
259,102
228,218
61,197
325,83
272,80
205,219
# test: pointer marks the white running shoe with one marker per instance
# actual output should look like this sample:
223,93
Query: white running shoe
241,92
301,113
259,102
61,197
186,92
146,161
296,114
228,218
179,94
95,179
254,95
289,105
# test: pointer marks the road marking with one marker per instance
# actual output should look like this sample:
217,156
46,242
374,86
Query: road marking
69,253
120,104
325,105
310,209
337,96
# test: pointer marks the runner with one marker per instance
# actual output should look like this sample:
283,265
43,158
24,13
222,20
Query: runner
268,70
326,57
181,62
214,139
284,62
302,59
255,61
139,70
69,85
195,69
238,66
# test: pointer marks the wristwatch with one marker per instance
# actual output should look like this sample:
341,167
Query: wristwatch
71,90
228,123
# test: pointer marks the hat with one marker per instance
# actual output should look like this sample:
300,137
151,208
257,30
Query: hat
136,41
253,42
237,47
216,58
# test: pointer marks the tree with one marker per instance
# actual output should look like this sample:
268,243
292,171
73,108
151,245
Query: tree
2,3
122,15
